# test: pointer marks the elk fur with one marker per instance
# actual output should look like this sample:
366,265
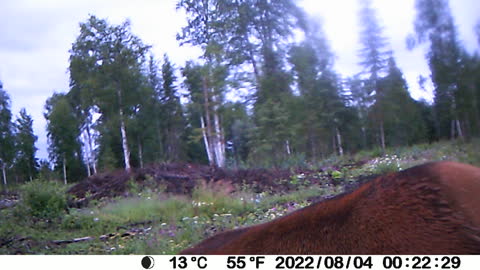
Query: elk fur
428,209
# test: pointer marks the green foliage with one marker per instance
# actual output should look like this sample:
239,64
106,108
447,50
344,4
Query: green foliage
336,174
403,122
320,109
63,132
44,200
169,224
133,187
238,128
26,164
455,103
386,167
106,64
150,207
6,136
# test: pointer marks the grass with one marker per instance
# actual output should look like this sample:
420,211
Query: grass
173,222
166,224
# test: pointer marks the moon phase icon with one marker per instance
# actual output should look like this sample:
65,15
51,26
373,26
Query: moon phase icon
148,262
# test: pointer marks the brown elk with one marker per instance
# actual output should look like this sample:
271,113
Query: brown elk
429,209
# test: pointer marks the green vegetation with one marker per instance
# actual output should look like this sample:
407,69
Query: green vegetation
255,97
162,224
154,222
42,200
125,109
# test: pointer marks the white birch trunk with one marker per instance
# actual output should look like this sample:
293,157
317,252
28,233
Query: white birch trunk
4,174
382,136
339,142
205,140
89,172
222,143
208,127
126,151
90,149
459,129
64,170
87,154
218,143
287,146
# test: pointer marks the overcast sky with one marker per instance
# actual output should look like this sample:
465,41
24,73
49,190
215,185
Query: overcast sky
36,35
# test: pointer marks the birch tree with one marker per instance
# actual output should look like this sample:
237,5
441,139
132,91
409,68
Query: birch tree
204,20
109,59
206,108
6,138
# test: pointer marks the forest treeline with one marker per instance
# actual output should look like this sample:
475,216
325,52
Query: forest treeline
264,93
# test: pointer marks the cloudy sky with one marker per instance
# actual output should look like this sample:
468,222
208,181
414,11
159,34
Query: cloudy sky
36,35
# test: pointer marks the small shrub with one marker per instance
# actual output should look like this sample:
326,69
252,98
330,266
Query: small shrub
386,167
43,200
336,175
133,187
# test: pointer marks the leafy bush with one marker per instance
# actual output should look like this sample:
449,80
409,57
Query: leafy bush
386,167
336,175
43,200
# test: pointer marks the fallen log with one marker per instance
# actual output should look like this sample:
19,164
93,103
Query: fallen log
7,203
103,237
74,240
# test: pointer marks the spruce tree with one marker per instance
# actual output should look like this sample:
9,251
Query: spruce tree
174,121
374,54
317,114
63,133
434,25
403,122
26,163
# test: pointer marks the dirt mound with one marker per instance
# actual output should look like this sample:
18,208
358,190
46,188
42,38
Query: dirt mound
181,178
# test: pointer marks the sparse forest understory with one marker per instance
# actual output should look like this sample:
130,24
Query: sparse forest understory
165,208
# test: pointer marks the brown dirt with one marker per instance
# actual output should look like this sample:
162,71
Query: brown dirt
181,178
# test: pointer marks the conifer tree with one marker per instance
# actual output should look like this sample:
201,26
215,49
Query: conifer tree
174,121
6,136
434,25
403,121
374,54
63,133
317,115
25,161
